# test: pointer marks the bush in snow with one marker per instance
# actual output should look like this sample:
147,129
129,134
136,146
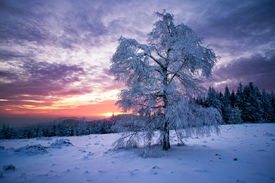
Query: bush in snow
61,142
32,149
9,167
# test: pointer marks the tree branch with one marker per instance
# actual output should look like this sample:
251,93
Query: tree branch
175,74
155,60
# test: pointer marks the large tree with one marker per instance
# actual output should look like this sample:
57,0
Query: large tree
160,77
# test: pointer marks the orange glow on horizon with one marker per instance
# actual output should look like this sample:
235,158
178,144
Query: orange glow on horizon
97,111
109,114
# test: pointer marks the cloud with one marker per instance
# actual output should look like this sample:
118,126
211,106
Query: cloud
258,69
237,27
39,78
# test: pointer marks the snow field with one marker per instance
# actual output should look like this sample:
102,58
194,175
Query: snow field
241,153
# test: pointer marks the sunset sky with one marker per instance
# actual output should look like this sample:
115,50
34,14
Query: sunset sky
55,55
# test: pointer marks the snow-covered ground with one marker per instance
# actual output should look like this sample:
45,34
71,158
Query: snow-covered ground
241,153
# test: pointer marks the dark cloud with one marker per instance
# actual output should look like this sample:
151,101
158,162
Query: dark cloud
6,75
42,23
258,69
237,26
18,22
7,55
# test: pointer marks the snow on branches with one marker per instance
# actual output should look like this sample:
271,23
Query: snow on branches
161,76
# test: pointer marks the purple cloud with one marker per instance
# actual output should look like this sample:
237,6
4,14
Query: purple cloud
258,68
40,78
237,26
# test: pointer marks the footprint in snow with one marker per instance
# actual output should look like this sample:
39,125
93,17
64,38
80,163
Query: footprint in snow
130,173
85,157
154,168
90,154
82,150
23,175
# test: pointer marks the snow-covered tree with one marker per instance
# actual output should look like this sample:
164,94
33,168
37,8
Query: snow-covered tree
253,109
235,116
233,98
200,100
267,106
213,99
160,78
82,127
240,98
226,107
272,96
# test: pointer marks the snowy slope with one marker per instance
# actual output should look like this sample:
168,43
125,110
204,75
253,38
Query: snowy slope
90,159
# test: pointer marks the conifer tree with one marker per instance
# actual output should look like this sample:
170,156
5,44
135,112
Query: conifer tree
233,99
272,95
213,100
252,109
235,116
226,110
267,107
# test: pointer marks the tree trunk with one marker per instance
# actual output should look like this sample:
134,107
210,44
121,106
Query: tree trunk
166,141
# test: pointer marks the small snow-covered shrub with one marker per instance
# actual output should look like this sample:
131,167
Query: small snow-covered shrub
9,167
61,142
32,149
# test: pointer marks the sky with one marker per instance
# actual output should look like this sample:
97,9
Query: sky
55,55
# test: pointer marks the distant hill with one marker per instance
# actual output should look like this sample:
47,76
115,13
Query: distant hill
69,120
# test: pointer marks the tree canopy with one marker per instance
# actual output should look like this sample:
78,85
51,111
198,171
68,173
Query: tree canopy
160,77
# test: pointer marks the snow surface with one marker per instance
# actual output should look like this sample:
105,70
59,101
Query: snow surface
241,153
